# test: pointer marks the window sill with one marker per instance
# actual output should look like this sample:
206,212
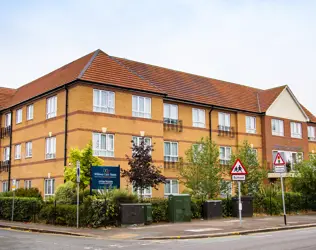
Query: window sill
294,137
50,159
277,135
17,159
28,157
251,131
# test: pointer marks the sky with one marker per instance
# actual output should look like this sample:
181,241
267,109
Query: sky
259,43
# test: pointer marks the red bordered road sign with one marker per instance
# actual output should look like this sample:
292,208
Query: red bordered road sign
238,168
278,161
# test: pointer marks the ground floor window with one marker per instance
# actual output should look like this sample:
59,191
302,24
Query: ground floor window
147,192
4,186
49,188
171,187
27,184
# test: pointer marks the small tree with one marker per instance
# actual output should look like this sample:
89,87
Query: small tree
86,159
256,173
202,173
142,173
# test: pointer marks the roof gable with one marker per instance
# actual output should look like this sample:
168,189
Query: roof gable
286,106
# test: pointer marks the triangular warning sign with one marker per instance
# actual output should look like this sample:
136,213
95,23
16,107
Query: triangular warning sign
238,168
278,161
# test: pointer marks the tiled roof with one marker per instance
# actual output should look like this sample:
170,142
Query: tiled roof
311,117
98,67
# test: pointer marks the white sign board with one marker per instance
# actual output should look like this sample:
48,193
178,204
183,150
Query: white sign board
238,177
279,169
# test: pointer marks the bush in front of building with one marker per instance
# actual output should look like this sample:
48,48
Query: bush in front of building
22,192
25,208
66,193
159,209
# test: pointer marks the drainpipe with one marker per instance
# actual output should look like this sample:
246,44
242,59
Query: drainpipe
10,158
66,127
210,122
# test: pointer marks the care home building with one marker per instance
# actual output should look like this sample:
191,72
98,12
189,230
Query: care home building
111,101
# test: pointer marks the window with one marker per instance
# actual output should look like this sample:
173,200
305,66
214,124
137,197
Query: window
28,150
224,121
17,154
171,151
171,187
7,122
51,148
137,140
141,106
226,188
103,144
196,149
51,107
147,192
224,155
251,124
4,186
198,116
170,113
17,184
277,127
311,133
296,130
49,188
6,154
18,116
29,112
255,151
27,184
103,101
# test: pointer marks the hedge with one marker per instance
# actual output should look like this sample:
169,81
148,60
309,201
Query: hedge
24,208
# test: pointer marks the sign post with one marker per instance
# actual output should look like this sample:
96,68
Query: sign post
78,182
13,190
279,167
239,173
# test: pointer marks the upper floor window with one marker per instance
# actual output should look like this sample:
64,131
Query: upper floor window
224,121
49,188
138,139
103,144
225,155
251,124
311,133
29,112
7,122
170,113
171,151
141,106
277,127
171,187
18,116
198,116
50,148
296,130
28,149
6,153
17,155
51,107
103,101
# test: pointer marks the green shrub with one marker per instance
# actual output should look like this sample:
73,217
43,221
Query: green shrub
159,209
66,193
271,206
227,206
24,208
21,192
196,208
60,214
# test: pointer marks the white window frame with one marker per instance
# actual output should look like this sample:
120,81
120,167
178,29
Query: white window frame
230,189
51,107
108,151
137,140
4,186
170,113
17,152
148,192
103,106
251,126
50,146
296,130
136,112
226,159
28,149
49,188
311,133
224,121
17,184
198,118
29,112
170,182
19,116
27,184
172,157
279,127
6,153
7,121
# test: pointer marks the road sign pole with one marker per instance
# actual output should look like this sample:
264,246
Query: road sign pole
282,187
78,205
239,204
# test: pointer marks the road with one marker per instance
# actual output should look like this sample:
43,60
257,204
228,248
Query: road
283,240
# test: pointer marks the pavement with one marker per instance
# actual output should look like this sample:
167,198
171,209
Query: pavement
300,239
166,231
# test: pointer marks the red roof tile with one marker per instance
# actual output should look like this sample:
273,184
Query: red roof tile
5,96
